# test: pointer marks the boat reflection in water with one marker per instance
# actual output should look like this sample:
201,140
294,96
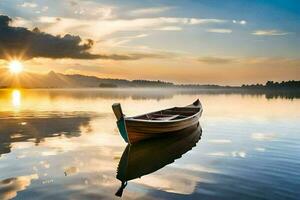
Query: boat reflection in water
151,155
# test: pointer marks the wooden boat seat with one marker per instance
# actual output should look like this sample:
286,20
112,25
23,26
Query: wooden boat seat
161,117
166,118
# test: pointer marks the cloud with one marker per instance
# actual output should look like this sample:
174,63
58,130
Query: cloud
195,21
218,154
219,30
16,40
140,35
251,61
149,11
170,28
19,41
91,10
45,8
260,149
132,56
96,28
28,5
11,186
220,141
263,136
122,40
242,22
216,60
103,12
185,182
269,33
241,154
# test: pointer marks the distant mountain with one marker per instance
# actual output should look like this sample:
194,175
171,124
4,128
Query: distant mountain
58,80
34,80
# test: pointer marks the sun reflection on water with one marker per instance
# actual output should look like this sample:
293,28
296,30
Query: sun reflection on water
16,98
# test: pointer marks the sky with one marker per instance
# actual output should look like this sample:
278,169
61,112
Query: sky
191,41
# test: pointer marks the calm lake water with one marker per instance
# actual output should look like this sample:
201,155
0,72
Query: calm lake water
64,144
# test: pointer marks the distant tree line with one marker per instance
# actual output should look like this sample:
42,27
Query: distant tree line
270,85
147,83
285,85
135,83
207,86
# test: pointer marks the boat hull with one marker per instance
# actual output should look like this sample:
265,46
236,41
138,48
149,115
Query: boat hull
137,131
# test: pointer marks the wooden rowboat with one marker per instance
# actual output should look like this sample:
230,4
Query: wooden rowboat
148,156
158,123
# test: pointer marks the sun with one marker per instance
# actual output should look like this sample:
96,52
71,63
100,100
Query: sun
15,67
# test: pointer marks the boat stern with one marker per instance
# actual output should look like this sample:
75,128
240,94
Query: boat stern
120,121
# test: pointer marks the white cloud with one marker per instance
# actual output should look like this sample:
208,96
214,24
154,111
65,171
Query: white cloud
50,20
170,28
79,12
218,154
220,141
140,35
34,5
149,11
241,154
185,182
194,21
92,10
113,42
45,8
260,149
104,12
263,136
28,5
242,22
269,32
101,27
219,30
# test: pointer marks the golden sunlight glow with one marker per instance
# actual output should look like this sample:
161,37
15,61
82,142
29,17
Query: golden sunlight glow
16,98
15,67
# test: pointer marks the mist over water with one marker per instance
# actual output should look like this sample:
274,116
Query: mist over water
64,144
